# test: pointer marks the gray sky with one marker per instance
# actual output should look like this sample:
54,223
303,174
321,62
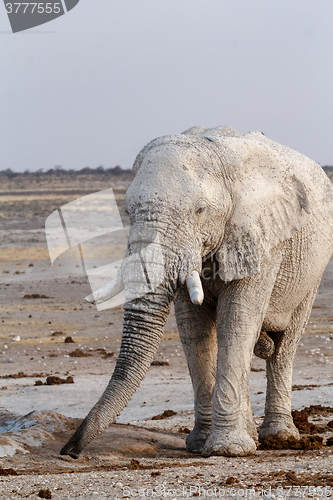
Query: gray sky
107,77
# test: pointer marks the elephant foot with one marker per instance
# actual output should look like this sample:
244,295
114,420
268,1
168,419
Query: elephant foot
236,443
196,440
280,428
252,430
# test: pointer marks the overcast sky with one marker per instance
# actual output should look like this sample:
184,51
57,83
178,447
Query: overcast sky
95,85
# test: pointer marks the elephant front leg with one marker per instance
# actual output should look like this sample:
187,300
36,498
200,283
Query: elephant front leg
230,433
278,420
197,330
241,309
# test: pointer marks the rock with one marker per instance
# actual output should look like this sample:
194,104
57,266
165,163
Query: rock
45,494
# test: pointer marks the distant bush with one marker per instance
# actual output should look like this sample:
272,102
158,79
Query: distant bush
9,173
58,171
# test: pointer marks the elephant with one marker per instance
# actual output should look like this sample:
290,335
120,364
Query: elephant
244,229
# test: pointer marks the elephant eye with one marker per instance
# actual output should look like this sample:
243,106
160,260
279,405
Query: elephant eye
200,207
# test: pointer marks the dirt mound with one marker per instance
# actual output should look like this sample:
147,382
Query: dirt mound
103,352
318,410
53,380
7,472
79,353
45,493
36,296
165,414
69,340
301,420
307,443
22,375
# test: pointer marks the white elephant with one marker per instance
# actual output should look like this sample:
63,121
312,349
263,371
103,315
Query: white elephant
245,228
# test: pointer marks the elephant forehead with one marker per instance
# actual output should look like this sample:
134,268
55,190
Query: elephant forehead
169,173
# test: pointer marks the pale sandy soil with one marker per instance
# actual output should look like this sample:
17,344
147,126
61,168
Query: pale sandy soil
157,447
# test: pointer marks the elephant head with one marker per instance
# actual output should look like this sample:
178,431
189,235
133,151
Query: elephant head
202,193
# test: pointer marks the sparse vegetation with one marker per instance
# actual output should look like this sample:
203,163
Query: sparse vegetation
59,171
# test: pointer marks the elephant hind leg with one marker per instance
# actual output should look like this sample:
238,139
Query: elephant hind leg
278,421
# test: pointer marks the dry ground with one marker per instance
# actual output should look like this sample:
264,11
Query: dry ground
136,452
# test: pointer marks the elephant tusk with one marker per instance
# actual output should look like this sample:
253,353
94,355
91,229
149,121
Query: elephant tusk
194,287
106,292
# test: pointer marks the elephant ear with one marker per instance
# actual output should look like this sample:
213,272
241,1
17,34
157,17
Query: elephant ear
269,198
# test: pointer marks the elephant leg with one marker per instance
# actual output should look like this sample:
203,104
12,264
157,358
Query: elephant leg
250,424
278,421
241,310
197,330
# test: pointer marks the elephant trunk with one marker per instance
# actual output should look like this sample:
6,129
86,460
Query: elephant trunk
142,332
151,274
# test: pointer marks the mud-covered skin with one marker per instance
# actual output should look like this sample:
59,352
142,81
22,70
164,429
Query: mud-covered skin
255,220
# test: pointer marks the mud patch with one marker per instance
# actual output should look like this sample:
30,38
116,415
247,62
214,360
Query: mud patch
301,421
53,380
7,472
103,352
318,410
183,430
31,430
314,442
69,340
36,296
300,387
45,494
290,478
23,375
165,414
79,353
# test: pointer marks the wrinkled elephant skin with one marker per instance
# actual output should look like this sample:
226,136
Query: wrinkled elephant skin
240,230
